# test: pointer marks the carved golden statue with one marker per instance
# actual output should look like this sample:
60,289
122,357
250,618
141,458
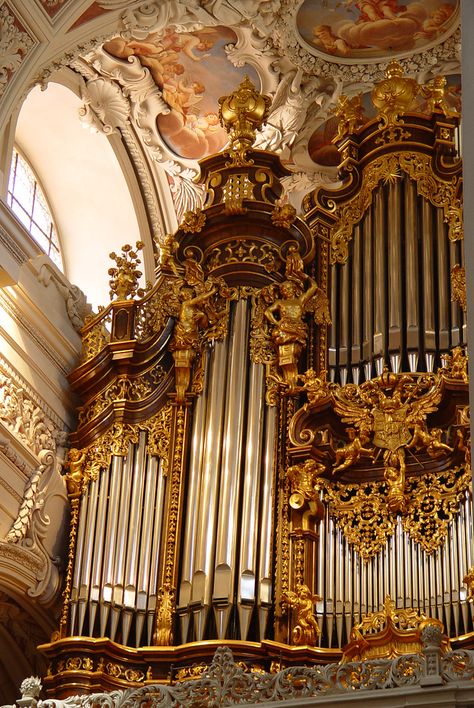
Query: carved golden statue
74,475
394,475
435,92
303,479
290,332
306,630
315,386
349,454
350,113
428,439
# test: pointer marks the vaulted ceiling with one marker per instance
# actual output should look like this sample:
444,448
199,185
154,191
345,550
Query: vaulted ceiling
147,77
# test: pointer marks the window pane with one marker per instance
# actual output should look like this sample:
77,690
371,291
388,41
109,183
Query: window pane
26,200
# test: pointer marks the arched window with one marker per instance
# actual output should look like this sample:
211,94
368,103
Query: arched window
27,200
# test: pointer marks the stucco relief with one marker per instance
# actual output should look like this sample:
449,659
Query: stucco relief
15,42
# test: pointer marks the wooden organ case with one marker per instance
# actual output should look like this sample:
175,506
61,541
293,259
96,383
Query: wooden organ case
274,436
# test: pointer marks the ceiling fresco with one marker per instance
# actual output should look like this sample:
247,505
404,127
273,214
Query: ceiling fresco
373,29
192,71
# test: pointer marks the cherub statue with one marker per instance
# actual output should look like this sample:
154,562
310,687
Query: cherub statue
349,454
306,630
350,113
394,475
190,318
315,386
74,470
303,479
430,440
435,92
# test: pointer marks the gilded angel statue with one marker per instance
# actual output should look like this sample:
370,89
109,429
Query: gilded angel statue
306,630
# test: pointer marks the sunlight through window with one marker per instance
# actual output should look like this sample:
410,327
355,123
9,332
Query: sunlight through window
28,202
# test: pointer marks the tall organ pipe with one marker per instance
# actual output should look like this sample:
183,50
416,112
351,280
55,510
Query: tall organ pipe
265,560
209,488
110,540
250,501
192,507
231,468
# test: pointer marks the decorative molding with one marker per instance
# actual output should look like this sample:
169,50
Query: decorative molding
9,243
7,305
6,486
24,557
226,682
15,43
19,382
77,307
32,499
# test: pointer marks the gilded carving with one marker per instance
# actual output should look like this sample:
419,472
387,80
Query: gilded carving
193,222
432,502
116,440
349,454
164,616
350,113
316,387
436,92
283,215
362,512
306,629
95,335
458,285
390,411
455,365
303,482
241,113
418,167
288,330
200,307
125,275
244,251
394,95
123,389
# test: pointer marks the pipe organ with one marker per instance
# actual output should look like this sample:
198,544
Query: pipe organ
273,443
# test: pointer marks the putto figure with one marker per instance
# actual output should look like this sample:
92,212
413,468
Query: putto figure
299,295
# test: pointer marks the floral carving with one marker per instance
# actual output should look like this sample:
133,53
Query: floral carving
14,45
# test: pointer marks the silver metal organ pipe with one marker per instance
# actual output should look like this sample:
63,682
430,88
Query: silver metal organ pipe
231,468
250,502
207,514
394,265
192,505
99,547
144,567
428,274
265,535
121,545
78,559
156,469
89,541
355,299
443,280
134,526
368,294
380,292
116,468
411,265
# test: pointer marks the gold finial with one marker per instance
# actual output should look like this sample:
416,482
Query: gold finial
124,277
395,94
241,113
